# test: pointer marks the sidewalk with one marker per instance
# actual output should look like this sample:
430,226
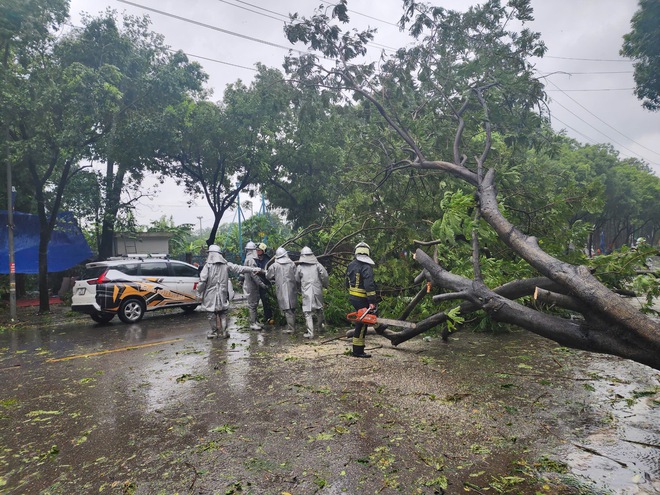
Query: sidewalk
24,303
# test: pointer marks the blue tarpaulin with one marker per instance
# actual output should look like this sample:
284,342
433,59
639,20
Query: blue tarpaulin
67,246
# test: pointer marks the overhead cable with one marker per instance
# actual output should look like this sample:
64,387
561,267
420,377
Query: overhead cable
601,120
597,130
588,59
214,28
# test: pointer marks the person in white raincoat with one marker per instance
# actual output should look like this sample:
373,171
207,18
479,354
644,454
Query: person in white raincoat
283,273
215,292
312,278
251,284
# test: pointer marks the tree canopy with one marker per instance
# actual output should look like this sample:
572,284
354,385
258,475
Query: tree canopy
642,44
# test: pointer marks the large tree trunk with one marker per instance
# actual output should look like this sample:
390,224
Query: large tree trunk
609,324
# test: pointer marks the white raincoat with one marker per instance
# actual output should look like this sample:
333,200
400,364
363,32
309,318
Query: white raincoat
214,287
252,282
283,273
312,278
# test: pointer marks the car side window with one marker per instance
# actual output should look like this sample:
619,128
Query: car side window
156,269
128,269
181,270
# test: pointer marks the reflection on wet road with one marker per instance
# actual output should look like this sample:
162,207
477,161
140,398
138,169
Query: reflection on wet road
623,453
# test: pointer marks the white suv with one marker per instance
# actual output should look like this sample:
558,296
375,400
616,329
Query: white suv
130,286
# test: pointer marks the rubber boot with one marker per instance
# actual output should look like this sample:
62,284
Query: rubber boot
214,327
358,351
309,321
290,321
320,319
253,319
225,326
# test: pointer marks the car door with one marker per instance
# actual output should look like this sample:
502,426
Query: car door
184,277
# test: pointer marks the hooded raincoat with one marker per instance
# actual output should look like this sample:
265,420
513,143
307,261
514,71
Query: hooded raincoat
283,273
312,278
252,282
214,287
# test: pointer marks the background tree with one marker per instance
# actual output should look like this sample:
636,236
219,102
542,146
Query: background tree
222,149
304,178
642,44
151,80
54,111
471,69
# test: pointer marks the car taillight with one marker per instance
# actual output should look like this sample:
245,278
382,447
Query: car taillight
99,280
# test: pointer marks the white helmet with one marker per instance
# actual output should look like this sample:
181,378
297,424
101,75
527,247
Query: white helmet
362,248
307,256
280,253
362,252
215,256
262,246
250,246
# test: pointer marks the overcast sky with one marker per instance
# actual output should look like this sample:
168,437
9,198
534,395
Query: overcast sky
590,85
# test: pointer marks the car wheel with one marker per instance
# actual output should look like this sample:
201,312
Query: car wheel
189,308
102,317
131,310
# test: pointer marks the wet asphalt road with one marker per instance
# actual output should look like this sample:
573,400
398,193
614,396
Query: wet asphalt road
62,385
85,336
89,408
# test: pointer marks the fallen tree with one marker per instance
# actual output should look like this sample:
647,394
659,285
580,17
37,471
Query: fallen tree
607,323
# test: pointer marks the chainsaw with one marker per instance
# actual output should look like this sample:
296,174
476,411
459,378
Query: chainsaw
365,315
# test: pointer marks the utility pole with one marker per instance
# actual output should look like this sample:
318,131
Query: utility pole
200,225
10,238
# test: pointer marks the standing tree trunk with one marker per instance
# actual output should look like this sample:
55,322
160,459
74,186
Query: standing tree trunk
114,186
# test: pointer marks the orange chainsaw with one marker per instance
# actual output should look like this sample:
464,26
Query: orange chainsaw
365,315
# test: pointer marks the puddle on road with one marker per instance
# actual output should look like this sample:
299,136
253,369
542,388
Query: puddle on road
625,403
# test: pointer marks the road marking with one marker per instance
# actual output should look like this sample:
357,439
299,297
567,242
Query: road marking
100,353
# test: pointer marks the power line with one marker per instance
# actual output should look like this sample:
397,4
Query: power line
574,129
218,61
367,16
589,59
261,8
256,12
286,18
214,28
592,90
570,73
599,131
225,31
601,120
593,141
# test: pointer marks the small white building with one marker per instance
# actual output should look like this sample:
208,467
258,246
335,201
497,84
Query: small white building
127,243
